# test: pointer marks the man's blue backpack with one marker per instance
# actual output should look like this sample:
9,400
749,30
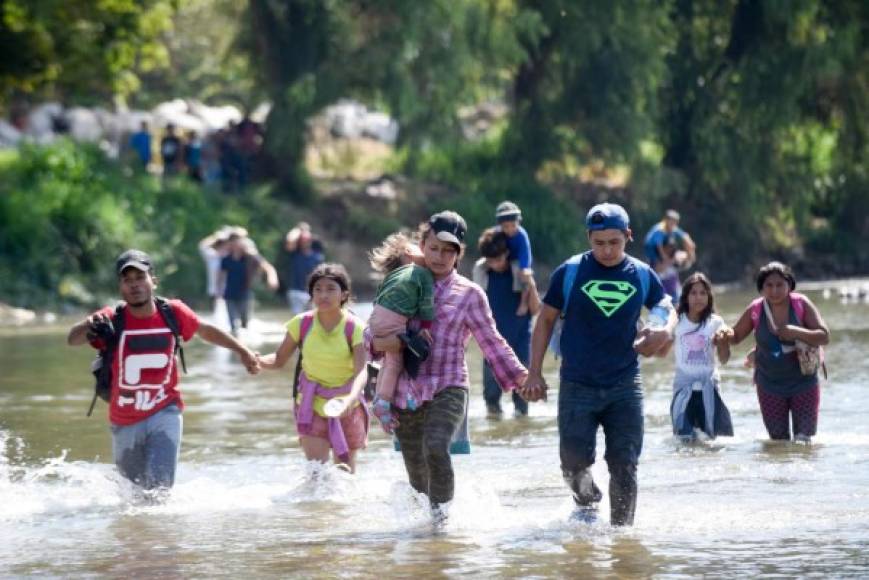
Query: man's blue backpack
572,267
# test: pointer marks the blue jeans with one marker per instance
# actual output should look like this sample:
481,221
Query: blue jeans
492,392
238,311
619,410
147,452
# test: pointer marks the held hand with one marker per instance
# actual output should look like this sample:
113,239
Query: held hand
265,361
723,335
382,409
426,335
250,360
534,388
650,340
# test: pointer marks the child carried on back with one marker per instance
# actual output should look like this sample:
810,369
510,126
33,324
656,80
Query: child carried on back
509,218
406,292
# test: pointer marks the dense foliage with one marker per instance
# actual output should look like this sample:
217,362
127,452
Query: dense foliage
66,211
750,116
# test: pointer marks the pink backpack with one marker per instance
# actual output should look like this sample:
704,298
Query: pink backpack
798,303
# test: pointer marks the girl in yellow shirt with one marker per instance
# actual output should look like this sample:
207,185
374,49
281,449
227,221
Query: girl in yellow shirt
329,413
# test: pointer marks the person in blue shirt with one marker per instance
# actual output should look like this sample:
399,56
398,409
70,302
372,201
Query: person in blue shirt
140,142
509,216
239,268
494,274
669,248
302,253
600,382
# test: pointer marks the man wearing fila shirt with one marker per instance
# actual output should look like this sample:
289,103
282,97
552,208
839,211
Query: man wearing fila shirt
600,374
145,404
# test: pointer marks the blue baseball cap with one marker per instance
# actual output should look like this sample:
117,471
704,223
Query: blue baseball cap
607,216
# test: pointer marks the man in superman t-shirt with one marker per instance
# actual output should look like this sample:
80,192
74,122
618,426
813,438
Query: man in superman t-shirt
145,404
600,374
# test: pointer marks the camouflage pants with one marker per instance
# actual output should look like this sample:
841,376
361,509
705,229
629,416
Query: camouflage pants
425,436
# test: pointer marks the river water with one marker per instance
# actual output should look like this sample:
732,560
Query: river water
247,503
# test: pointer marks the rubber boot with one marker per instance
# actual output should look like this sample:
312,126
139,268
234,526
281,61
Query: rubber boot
623,493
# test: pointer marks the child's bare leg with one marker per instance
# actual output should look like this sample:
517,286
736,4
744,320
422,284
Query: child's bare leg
351,461
387,378
523,303
315,448
525,277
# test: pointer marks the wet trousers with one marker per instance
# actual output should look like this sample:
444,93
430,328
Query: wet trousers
424,435
147,452
619,410
802,408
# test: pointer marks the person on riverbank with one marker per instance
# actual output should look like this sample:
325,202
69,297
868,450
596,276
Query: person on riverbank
669,248
496,277
598,296
700,334
145,403
332,355
212,249
238,270
140,142
783,322
170,151
509,218
302,253
441,386
406,292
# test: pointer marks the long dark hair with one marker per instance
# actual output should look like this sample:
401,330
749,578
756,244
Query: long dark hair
682,308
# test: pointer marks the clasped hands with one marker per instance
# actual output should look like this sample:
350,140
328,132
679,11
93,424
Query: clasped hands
534,388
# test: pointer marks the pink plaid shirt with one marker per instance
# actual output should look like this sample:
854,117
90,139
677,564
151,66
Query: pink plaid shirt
461,310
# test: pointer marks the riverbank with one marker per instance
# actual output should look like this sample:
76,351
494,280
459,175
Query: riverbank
86,208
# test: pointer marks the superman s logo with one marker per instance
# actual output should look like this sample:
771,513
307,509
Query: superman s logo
608,295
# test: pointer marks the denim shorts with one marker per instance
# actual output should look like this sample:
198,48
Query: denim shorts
617,408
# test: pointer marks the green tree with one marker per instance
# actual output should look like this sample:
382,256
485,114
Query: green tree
765,114
79,50
587,86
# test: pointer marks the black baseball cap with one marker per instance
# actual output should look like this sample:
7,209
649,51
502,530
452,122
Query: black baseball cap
134,259
449,226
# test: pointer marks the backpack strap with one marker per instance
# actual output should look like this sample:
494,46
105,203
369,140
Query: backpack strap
644,273
304,328
118,322
168,314
755,309
349,328
798,303
572,267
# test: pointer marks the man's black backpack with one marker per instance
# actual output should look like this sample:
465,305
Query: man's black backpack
110,333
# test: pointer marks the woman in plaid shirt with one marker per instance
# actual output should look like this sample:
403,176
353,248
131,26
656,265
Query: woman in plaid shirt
441,387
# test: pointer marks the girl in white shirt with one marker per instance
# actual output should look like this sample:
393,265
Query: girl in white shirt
698,336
